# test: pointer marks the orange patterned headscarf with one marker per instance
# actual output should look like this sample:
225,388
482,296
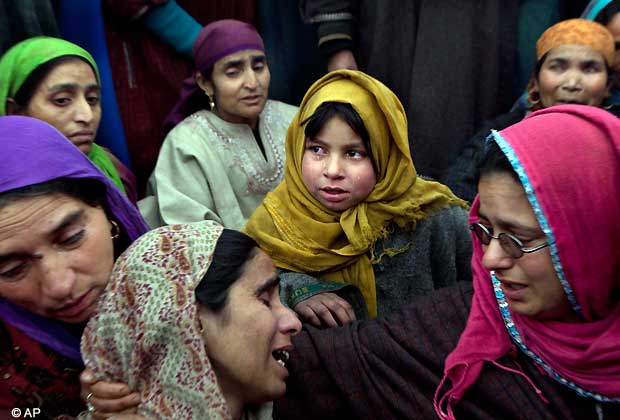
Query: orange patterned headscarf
572,32
577,32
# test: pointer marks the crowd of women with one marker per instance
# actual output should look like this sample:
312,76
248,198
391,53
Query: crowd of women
289,262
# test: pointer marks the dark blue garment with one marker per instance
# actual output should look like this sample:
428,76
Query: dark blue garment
291,49
81,22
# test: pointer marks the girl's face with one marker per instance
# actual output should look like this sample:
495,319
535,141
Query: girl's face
572,74
336,167
530,283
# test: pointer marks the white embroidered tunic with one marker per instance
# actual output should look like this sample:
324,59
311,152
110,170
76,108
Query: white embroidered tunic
212,169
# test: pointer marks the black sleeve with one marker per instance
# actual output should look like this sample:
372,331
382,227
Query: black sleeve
381,369
335,23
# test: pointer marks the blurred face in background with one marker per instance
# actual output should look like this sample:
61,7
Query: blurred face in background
239,86
572,74
68,98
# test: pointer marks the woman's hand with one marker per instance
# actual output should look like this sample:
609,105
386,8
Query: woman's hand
325,310
109,399
340,60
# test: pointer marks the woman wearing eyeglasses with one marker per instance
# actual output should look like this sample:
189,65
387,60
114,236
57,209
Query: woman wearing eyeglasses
538,335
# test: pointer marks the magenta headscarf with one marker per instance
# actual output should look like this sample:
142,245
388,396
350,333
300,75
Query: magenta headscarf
568,160
215,41
34,152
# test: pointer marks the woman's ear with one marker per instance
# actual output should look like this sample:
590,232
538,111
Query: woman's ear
13,108
533,91
203,83
610,82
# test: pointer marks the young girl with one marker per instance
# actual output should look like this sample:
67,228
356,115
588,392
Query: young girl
352,210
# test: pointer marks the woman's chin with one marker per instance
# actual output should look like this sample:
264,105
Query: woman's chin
276,390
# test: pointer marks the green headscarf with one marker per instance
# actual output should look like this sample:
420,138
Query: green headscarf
23,58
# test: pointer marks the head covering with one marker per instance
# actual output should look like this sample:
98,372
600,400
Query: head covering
222,38
36,152
216,40
23,58
578,32
300,234
581,31
146,333
568,160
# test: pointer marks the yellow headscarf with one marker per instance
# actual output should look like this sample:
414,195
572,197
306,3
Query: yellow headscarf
302,235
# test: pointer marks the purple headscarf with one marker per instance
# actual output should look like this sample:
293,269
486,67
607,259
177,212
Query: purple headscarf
215,41
35,152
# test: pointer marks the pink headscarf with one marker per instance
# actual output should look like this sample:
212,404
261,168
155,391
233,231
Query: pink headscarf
215,41
568,160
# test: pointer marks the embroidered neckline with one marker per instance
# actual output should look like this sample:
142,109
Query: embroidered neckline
263,175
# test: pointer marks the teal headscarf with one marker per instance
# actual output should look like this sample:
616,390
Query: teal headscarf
18,63
594,8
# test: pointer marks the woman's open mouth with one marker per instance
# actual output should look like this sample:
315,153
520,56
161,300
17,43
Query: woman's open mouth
512,290
281,356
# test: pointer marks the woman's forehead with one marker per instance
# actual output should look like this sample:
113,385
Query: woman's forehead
575,52
239,57
258,270
43,214
71,72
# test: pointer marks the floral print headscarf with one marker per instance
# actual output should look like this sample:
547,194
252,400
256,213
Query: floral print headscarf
146,332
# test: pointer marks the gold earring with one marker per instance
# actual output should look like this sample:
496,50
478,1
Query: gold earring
116,230
534,101
211,102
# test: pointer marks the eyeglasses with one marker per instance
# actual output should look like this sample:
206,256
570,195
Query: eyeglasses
510,244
